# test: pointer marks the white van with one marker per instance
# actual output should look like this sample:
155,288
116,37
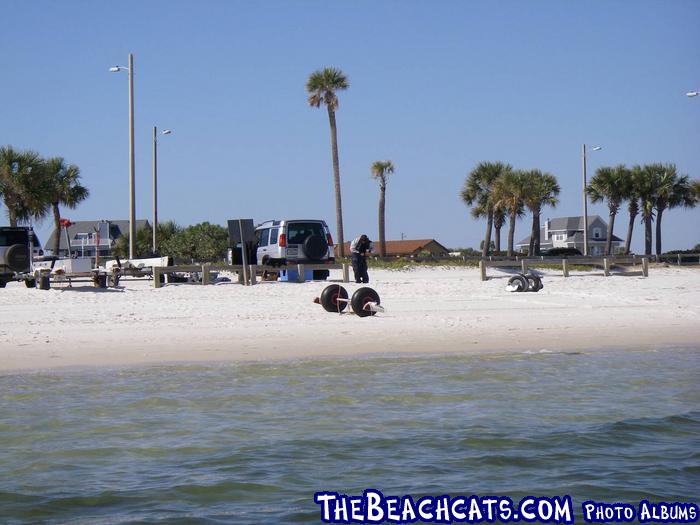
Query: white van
296,241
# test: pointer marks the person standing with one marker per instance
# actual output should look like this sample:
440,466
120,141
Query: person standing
360,249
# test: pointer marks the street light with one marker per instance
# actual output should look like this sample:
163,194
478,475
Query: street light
585,199
132,170
155,181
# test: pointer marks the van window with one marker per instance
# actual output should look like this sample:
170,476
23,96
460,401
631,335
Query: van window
273,235
264,237
298,232
9,237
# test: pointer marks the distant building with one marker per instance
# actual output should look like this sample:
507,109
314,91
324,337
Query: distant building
408,248
84,236
567,232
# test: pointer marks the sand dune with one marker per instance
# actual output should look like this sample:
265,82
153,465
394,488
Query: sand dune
427,310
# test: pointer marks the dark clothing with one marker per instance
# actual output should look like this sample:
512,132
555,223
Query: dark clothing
359,247
359,267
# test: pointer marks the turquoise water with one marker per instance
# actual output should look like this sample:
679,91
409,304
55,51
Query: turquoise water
251,443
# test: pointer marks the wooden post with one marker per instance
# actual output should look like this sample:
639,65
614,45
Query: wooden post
156,277
679,259
346,273
565,267
523,265
482,269
300,273
606,267
205,274
252,272
645,267
241,277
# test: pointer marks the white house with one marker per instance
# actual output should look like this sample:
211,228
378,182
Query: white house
567,232
88,237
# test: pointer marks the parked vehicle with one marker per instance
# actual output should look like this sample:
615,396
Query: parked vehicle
15,258
298,241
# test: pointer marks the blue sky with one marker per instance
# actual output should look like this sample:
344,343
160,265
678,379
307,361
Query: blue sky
434,86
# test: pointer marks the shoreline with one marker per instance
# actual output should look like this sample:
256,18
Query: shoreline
430,311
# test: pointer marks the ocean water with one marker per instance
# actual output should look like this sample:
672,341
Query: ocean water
252,442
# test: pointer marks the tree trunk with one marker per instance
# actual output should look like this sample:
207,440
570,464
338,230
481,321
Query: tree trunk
487,238
630,228
12,217
382,224
57,224
611,224
336,183
647,235
497,238
511,233
659,213
534,248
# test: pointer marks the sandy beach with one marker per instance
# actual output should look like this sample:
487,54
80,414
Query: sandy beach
428,310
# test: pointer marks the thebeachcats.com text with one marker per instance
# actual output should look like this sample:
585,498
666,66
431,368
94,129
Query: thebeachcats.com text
374,507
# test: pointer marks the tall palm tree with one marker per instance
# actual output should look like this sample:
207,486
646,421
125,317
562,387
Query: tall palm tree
322,86
673,191
695,188
649,181
381,169
609,184
499,219
63,189
22,185
477,193
542,190
631,195
508,193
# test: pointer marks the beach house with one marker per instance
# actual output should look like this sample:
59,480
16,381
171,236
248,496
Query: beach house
409,248
567,232
86,238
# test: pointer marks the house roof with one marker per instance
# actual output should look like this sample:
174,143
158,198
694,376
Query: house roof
116,229
403,247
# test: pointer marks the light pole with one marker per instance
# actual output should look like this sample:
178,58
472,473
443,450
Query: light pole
132,171
585,199
155,182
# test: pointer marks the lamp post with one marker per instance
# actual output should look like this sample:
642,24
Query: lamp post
585,199
132,171
155,182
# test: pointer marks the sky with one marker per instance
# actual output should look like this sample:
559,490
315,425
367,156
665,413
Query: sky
435,87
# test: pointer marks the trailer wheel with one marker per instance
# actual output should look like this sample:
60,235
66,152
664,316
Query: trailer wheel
519,282
30,283
330,296
2,283
360,299
535,283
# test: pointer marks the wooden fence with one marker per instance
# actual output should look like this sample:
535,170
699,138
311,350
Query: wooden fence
606,263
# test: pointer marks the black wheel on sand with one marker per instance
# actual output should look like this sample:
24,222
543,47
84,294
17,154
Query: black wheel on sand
535,283
330,296
30,283
360,299
2,283
520,282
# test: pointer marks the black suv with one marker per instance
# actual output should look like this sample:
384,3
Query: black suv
15,255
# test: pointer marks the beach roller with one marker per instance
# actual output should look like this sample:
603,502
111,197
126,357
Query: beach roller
524,283
364,302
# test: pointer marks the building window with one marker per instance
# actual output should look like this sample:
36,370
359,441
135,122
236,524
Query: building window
597,233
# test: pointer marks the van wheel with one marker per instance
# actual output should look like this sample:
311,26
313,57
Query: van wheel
330,296
360,299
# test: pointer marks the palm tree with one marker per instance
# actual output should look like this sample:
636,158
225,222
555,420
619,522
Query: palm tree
22,185
631,195
477,193
673,191
380,170
499,219
322,86
542,190
63,188
695,188
508,193
609,183
647,186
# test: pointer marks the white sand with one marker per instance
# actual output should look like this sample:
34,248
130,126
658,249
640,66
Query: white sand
427,310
